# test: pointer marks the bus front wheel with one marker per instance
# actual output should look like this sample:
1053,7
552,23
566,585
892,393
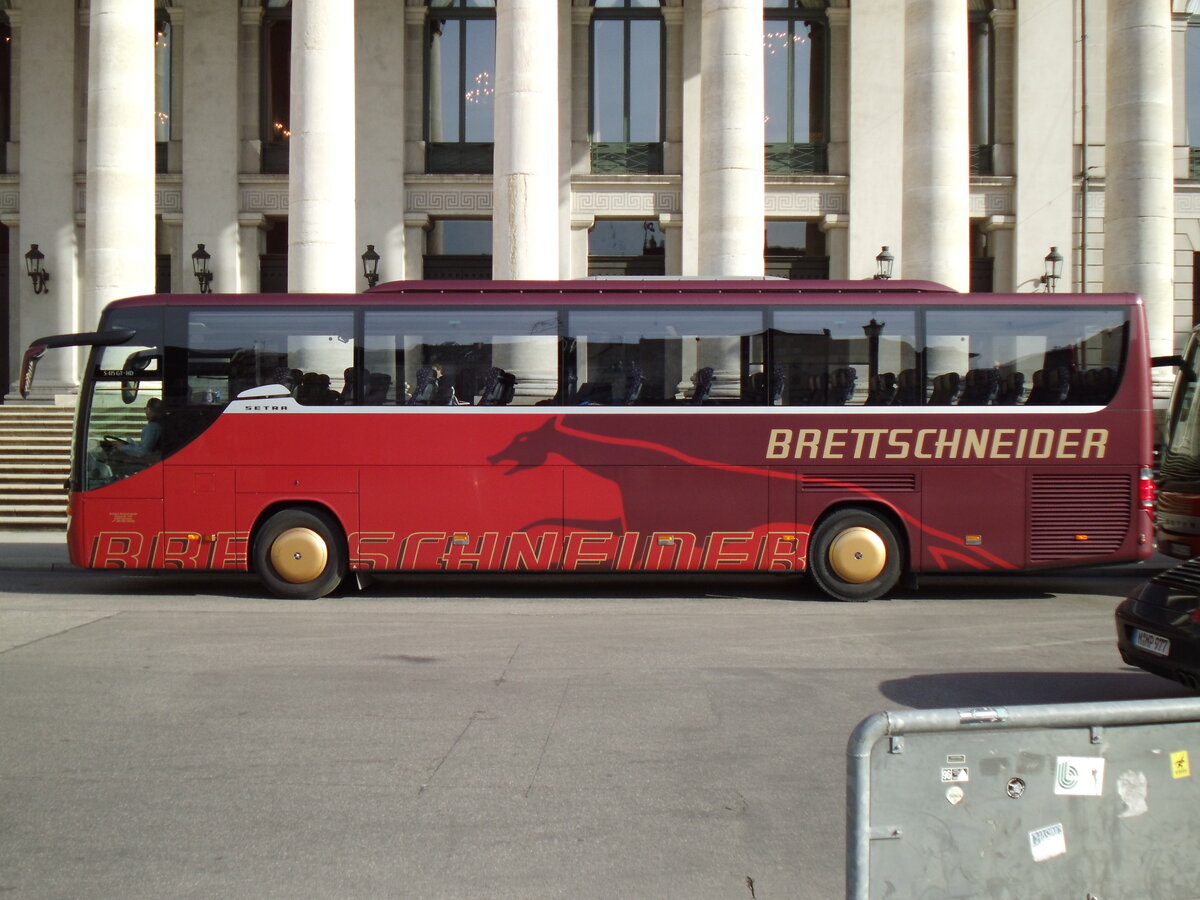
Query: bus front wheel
854,555
298,554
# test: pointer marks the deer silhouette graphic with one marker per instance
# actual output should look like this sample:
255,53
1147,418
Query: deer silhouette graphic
663,490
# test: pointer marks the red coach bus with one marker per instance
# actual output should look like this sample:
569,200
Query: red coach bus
1177,511
862,431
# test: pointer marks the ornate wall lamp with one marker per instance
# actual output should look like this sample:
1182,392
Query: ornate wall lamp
200,269
1054,264
37,272
370,261
883,264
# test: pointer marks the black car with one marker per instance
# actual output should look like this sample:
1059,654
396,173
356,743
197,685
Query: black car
1158,625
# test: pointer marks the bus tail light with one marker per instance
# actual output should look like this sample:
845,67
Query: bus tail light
1146,488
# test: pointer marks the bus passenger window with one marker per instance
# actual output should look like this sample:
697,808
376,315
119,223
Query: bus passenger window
665,357
446,356
845,356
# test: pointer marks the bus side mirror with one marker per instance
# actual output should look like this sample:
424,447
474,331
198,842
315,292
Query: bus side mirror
1156,361
28,365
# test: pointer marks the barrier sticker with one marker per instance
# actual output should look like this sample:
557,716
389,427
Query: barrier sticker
1180,766
1079,776
1046,843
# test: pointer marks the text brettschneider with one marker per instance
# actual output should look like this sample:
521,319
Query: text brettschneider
937,443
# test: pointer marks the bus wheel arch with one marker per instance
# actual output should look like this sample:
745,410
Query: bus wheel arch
857,552
299,551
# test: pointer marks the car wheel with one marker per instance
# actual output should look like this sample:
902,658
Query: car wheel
299,554
854,555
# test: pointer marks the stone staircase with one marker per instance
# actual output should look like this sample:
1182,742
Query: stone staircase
35,457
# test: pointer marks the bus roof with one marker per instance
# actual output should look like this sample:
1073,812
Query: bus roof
631,292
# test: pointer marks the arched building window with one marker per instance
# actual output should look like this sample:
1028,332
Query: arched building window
628,52
796,86
460,91
276,99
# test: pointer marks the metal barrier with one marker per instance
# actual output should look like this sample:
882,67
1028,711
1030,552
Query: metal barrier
1095,801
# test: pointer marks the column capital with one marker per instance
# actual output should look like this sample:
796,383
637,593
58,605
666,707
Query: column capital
176,14
672,15
418,220
252,220
670,220
833,221
582,223
839,17
1003,18
14,18
998,223
416,14
581,15
251,15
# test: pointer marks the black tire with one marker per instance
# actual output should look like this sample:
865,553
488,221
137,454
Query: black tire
854,555
299,554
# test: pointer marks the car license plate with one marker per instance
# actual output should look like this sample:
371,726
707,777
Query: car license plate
1181,551
1151,643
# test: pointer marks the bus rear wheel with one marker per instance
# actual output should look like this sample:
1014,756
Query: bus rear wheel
854,555
298,554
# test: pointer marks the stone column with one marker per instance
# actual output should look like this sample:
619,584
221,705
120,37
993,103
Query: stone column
876,134
45,42
672,14
251,230
732,178
1043,141
414,100
321,198
380,94
1003,56
936,150
693,135
525,208
212,142
250,85
416,227
835,227
839,89
119,254
1139,220
999,230
581,228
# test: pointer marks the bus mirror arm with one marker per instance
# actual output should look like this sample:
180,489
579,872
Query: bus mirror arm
87,339
1176,360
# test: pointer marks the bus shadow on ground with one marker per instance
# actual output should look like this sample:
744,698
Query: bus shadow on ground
958,690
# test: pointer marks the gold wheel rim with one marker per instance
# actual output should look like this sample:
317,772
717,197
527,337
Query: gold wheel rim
299,555
857,555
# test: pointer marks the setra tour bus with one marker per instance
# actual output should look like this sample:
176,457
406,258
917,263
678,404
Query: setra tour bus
862,431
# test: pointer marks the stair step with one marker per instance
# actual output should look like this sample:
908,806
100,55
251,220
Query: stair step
35,460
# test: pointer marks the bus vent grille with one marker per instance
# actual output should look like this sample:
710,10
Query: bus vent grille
1079,516
879,484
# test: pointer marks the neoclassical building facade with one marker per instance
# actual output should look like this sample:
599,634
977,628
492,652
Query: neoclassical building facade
547,139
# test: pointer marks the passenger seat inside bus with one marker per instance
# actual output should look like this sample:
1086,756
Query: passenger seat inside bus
945,389
499,387
882,390
425,391
980,387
